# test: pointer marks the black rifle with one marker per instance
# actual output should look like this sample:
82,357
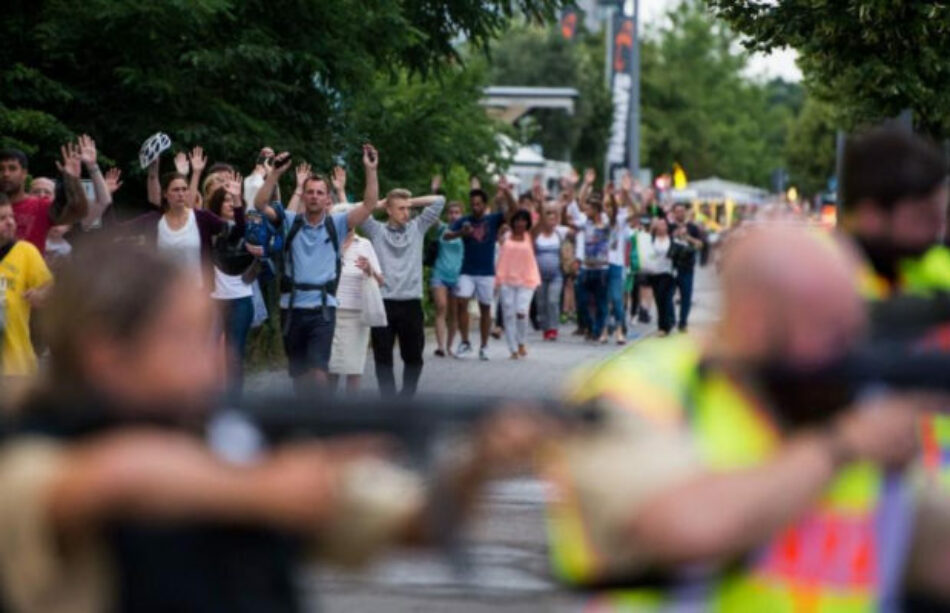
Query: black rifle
810,396
419,424
908,317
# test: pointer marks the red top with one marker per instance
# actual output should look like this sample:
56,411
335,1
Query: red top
33,220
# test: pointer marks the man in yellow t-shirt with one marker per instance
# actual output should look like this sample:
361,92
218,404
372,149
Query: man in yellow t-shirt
24,283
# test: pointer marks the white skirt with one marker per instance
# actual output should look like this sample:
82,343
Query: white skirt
350,342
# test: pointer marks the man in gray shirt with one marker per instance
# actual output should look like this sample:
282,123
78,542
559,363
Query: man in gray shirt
398,244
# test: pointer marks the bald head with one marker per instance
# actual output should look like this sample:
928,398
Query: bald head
789,293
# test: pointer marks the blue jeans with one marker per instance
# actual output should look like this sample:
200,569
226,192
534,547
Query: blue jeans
615,279
236,317
684,283
595,285
549,302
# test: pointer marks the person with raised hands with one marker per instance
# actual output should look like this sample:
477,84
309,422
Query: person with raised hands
36,215
312,265
398,242
89,155
235,271
181,231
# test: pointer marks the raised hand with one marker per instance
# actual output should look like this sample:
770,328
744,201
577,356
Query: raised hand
537,189
87,150
436,184
573,177
281,163
590,175
198,160
474,183
233,185
303,173
370,157
113,180
182,166
72,162
626,183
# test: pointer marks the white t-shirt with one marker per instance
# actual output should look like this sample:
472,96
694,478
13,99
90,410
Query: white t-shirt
653,254
184,245
619,236
230,287
574,214
252,184
349,293
554,239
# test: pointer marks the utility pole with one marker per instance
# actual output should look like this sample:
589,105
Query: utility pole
609,65
633,140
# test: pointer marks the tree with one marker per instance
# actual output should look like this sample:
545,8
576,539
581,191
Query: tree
810,147
424,127
870,59
542,57
233,75
700,110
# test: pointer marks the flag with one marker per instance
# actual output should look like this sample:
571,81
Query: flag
679,177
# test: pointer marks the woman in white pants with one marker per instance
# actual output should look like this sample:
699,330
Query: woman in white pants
517,277
351,335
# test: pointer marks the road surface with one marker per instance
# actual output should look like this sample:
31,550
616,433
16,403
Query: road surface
507,549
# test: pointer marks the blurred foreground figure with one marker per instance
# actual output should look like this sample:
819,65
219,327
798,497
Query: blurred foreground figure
100,515
701,492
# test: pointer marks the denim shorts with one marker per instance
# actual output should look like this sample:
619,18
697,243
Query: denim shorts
437,282
308,340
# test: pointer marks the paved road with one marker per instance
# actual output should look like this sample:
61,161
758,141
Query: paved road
507,550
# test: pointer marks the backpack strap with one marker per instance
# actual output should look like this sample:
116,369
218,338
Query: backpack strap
335,241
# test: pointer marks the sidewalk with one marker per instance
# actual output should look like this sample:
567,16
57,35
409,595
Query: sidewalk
542,374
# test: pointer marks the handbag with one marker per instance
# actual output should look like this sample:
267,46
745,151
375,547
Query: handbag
373,313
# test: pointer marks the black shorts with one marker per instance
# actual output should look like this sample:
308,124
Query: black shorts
308,340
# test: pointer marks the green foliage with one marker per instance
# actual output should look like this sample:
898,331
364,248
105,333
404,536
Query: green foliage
700,110
810,149
537,56
233,75
871,59
424,128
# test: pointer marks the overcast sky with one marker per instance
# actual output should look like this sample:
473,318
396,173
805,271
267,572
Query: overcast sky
777,64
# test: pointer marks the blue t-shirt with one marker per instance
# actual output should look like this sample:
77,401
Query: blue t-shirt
314,257
479,258
448,264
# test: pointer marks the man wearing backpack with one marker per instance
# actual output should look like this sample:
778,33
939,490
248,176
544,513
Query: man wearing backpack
312,266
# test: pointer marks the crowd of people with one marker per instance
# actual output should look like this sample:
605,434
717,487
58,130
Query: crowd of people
703,473
350,275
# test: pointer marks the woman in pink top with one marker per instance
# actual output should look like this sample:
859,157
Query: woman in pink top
516,274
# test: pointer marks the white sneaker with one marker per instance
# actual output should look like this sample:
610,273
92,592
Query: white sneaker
483,355
464,349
